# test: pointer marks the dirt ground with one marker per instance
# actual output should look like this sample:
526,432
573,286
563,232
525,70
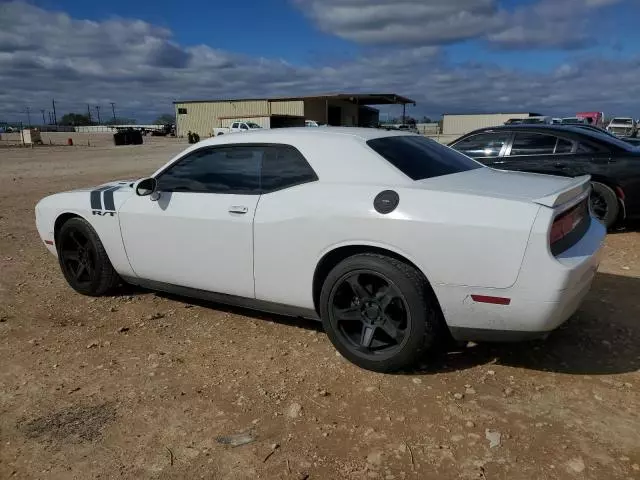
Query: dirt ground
143,385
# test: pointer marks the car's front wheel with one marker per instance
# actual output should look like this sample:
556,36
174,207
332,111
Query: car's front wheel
83,259
377,312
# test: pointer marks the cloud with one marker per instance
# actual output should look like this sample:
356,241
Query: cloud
539,24
45,55
405,22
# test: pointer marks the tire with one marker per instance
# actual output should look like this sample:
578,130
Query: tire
604,204
358,324
83,259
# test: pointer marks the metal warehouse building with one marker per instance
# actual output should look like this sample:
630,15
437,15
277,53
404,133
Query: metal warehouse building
202,116
459,124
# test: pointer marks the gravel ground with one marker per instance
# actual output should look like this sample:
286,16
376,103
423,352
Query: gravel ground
143,385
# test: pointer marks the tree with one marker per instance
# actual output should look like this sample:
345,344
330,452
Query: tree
165,119
426,119
74,119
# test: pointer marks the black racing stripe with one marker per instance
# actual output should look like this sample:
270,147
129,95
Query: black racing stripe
108,199
96,204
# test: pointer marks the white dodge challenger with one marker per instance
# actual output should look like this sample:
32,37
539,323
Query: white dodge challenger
389,238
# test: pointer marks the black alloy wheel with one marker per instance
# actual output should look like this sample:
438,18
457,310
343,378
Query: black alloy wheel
379,312
598,205
83,259
369,311
78,257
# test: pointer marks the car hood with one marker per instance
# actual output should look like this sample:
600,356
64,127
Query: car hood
548,190
121,184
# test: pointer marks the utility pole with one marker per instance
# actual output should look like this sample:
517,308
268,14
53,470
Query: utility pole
55,118
113,110
98,110
89,114
50,118
44,122
29,117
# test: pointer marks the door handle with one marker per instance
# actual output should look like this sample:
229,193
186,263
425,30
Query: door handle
238,209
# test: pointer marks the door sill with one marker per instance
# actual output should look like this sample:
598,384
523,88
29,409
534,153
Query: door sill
223,298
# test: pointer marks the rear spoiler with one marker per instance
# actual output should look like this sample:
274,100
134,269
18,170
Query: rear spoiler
579,187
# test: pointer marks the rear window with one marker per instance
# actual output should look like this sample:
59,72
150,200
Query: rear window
419,158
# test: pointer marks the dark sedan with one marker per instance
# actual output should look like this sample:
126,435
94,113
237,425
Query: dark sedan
614,165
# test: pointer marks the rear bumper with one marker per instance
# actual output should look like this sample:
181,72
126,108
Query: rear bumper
547,292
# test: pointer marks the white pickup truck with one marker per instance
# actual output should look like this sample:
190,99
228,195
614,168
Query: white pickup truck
622,127
236,127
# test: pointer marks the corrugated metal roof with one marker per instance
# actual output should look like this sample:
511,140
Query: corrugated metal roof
495,113
359,98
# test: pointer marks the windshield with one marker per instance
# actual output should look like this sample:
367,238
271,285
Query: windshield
419,158
623,121
253,125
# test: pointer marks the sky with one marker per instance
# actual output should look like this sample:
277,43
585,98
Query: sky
555,57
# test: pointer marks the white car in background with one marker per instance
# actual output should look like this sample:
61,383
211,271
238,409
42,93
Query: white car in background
389,238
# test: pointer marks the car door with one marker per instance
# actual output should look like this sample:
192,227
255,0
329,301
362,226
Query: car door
196,230
485,147
575,158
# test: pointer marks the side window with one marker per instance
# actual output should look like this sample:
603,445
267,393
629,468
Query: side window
564,146
533,144
233,169
182,111
284,166
243,126
234,125
482,145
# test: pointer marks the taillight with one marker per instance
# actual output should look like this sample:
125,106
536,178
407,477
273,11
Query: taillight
567,223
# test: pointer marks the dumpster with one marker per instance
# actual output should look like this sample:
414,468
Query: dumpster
127,136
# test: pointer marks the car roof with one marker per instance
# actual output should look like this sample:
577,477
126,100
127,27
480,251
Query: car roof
540,127
290,134
585,133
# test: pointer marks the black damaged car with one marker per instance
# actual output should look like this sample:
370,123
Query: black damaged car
614,165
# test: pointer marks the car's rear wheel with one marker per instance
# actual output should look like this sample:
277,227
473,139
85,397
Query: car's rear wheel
377,312
83,259
604,204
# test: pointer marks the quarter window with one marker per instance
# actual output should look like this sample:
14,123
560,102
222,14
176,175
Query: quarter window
584,148
216,170
533,144
482,145
564,146
283,167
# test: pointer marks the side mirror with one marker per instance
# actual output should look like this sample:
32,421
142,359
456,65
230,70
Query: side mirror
146,186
